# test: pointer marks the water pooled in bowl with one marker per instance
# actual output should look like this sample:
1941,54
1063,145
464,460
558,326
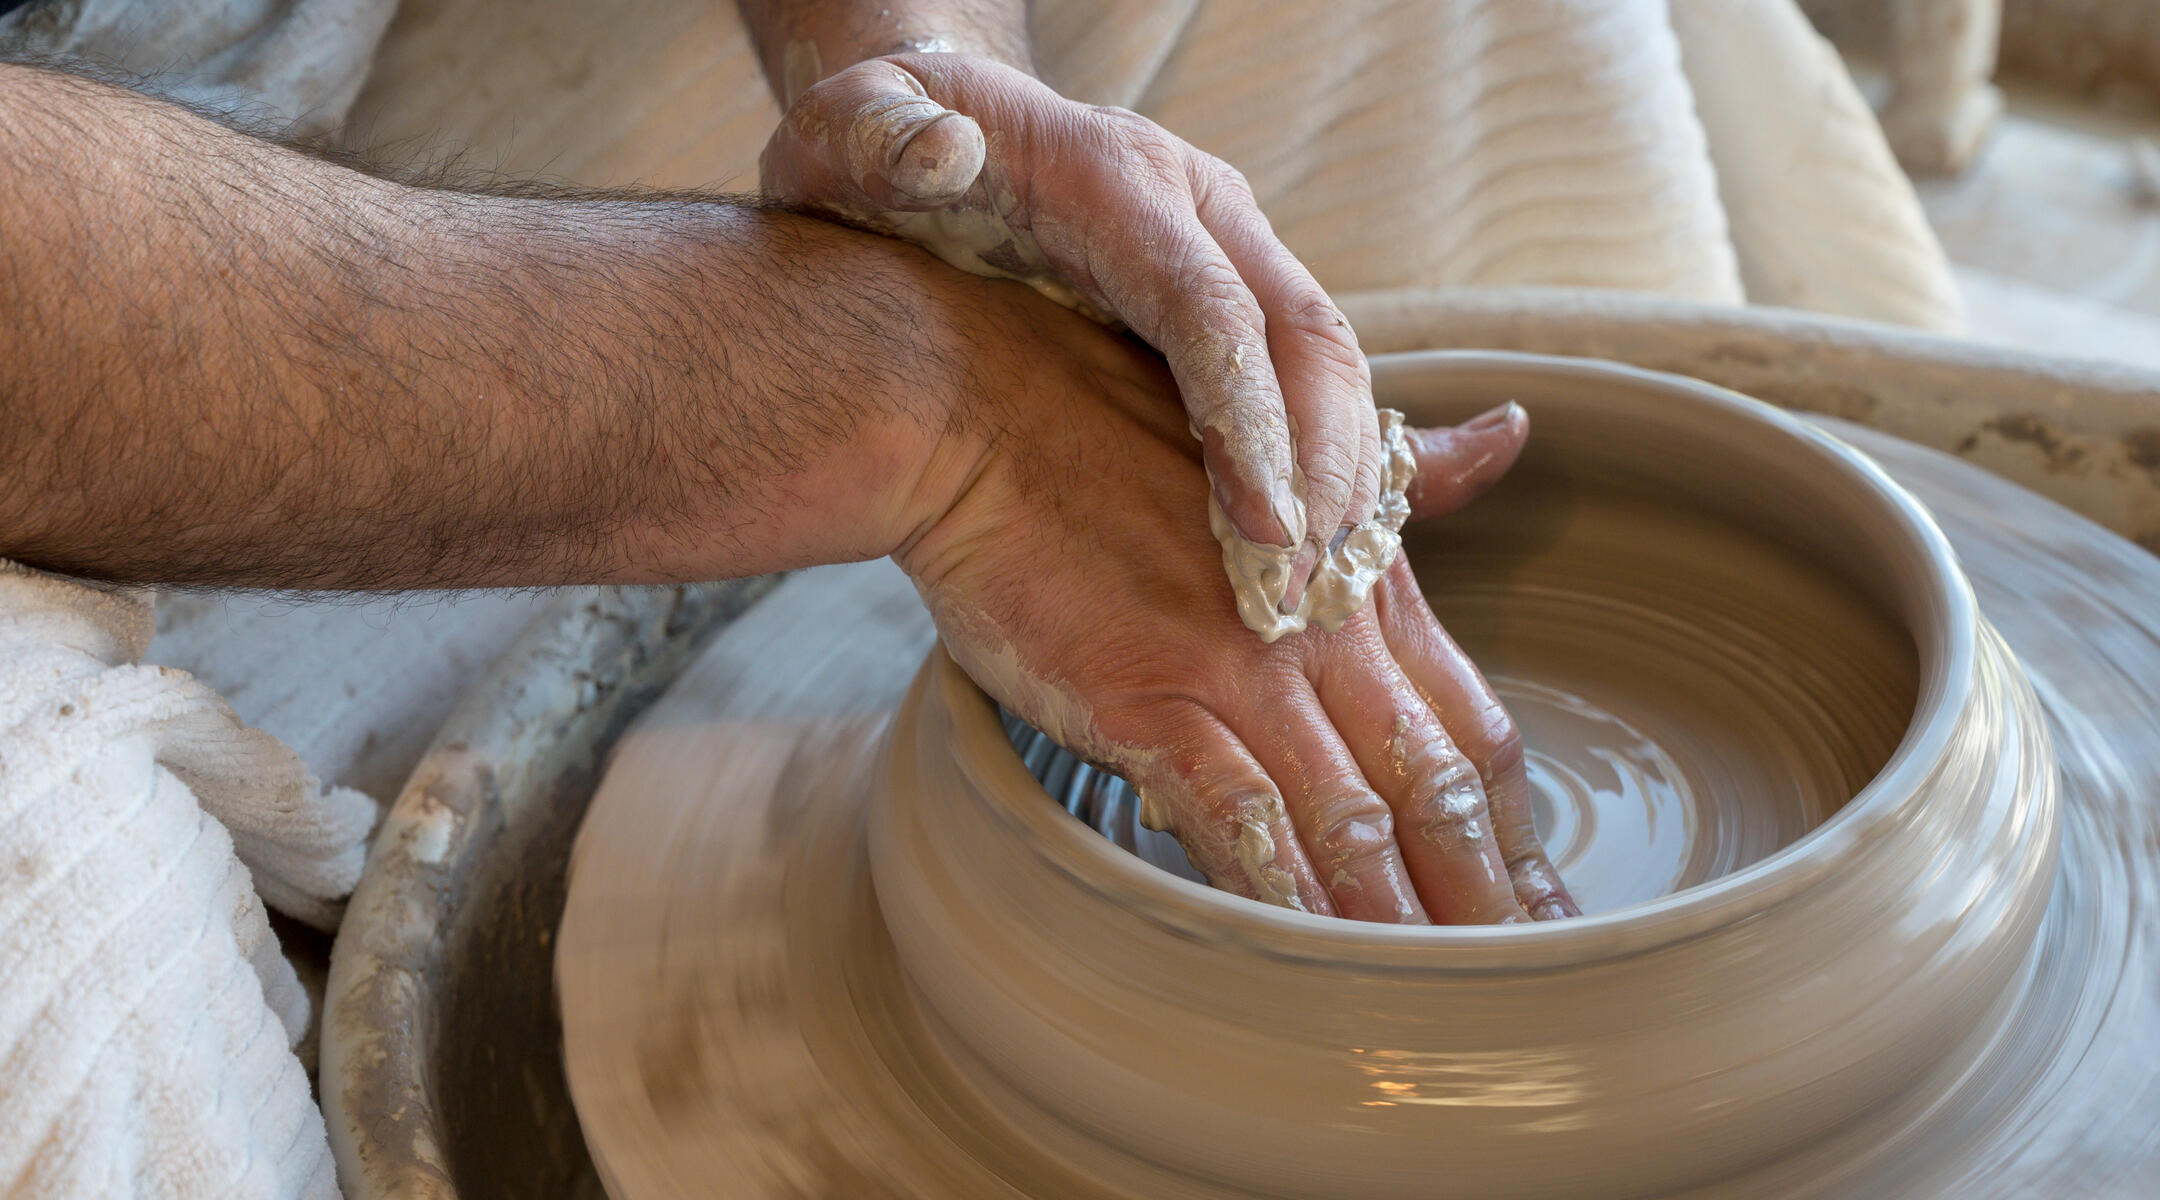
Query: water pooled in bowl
1597,780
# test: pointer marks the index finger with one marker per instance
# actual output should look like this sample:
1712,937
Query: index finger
1325,382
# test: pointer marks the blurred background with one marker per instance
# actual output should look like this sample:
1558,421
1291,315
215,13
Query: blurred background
2031,127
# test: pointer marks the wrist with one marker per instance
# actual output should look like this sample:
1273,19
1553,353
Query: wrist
842,363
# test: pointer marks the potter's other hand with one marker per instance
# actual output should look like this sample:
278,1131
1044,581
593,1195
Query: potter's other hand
1368,772
998,174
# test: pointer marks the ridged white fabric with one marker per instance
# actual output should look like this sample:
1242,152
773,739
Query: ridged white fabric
1393,143
1460,143
147,1019
1822,216
1710,150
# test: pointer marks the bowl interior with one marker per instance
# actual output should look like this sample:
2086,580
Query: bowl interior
1710,622
1693,694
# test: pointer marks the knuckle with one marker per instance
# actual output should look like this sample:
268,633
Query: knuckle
1533,883
1352,825
1448,799
1451,828
1361,642
1443,773
1217,789
1331,470
1308,314
1210,280
872,76
1213,326
1215,175
1307,305
1117,116
1132,134
1503,742
1401,612
1335,349
1235,808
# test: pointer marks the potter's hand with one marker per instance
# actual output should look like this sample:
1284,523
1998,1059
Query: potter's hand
998,174
1369,772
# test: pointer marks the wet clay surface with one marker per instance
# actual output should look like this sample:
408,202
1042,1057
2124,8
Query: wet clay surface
1691,699
1343,578
2066,1100
737,1023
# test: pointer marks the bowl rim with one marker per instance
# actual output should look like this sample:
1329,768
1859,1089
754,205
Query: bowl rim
1946,682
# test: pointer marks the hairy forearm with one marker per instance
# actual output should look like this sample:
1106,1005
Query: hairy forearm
802,41
225,362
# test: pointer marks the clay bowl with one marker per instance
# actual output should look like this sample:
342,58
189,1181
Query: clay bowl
1802,786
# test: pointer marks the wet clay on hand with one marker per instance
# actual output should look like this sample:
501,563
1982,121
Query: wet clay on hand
1342,579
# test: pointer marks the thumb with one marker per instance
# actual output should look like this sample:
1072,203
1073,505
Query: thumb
871,134
1455,464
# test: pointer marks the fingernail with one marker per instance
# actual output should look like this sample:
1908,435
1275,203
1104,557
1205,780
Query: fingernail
1289,512
1492,418
938,160
1254,528
1301,569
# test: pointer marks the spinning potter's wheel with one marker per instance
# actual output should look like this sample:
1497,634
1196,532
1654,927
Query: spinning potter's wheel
740,1020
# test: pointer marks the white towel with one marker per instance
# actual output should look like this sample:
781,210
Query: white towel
147,1019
